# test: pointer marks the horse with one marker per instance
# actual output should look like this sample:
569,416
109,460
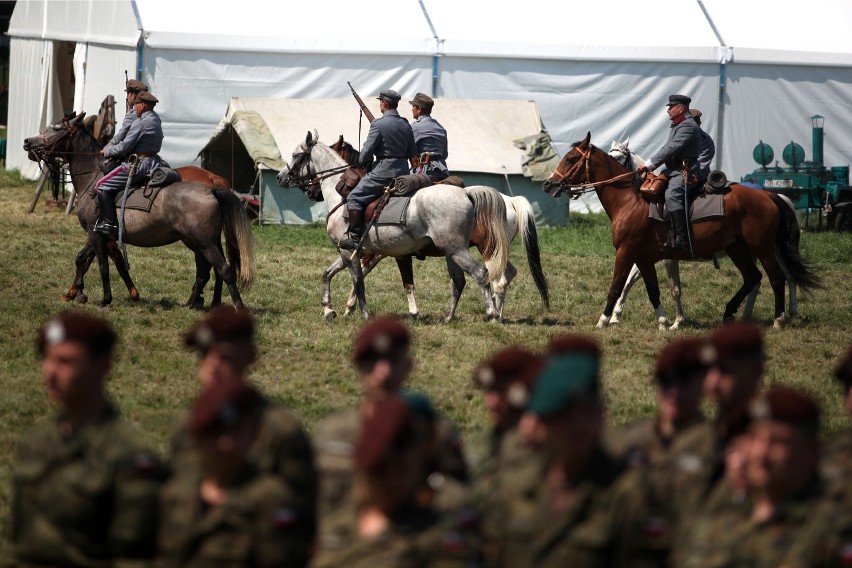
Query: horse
755,225
520,219
626,157
441,216
186,211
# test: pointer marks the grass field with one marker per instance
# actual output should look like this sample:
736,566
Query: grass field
304,360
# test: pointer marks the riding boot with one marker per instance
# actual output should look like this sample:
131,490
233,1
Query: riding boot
356,229
107,223
679,229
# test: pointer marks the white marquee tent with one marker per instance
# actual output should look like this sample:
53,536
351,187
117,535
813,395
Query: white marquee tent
758,70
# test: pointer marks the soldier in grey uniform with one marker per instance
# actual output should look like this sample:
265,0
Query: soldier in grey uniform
430,137
390,143
680,152
85,485
133,89
144,138
708,148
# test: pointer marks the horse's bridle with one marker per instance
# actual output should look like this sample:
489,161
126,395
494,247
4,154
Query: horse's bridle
48,147
311,182
568,183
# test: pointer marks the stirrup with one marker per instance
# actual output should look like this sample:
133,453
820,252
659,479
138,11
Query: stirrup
105,228
349,243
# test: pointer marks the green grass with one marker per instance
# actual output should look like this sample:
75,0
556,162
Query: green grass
304,361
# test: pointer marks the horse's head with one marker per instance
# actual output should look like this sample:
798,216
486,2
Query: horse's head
300,172
55,140
572,166
346,151
623,154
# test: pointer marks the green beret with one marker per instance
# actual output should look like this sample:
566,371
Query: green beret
564,380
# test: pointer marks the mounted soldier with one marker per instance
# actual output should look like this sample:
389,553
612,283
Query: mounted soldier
144,138
708,148
391,143
680,156
430,137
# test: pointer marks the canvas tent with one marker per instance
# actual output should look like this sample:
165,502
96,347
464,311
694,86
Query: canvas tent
490,144
758,69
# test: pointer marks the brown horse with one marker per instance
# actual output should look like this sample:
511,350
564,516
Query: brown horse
756,224
185,211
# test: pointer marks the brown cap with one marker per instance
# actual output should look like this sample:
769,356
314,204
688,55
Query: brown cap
223,406
734,340
147,98
385,432
381,338
223,323
788,405
423,101
678,360
695,113
574,343
843,371
95,333
134,86
511,370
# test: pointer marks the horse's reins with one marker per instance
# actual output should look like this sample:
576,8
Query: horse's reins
575,191
314,178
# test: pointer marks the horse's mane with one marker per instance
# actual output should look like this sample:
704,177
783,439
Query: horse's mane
346,151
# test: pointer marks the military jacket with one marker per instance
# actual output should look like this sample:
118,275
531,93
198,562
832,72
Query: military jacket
88,500
836,466
417,538
257,525
430,136
125,127
144,136
684,143
706,154
281,447
391,142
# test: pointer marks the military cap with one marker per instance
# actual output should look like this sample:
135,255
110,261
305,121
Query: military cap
573,342
384,433
788,405
679,100
381,338
734,340
843,371
223,323
147,97
423,101
389,95
95,333
565,379
223,406
678,360
134,86
511,370
696,114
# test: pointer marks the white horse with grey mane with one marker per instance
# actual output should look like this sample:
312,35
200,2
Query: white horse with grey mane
626,157
443,216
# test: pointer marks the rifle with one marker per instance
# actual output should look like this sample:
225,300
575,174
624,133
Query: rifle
126,102
364,108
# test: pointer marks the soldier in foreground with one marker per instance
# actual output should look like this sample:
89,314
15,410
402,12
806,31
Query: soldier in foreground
84,486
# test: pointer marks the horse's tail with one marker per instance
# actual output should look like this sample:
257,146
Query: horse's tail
787,247
239,240
490,224
526,228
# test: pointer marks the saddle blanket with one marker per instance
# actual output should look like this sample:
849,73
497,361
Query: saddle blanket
702,209
139,198
392,214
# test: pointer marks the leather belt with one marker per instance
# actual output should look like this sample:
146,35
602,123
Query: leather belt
146,154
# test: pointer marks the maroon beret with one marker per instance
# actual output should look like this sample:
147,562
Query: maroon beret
843,371
680,358
574,343
786,404
222,406
95,333
224,323
511,370
736,339
386,431
380,338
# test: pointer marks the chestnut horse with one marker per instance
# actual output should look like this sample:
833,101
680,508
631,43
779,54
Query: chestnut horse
186,211
756,224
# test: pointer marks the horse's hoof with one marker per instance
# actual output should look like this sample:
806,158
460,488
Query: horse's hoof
330,315
414,316
105,303
134,295
82,299
675,326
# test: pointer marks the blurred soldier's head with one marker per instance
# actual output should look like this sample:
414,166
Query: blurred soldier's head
382,355
736,365
843,374
679,376
225,344
507,377
76,350
783,448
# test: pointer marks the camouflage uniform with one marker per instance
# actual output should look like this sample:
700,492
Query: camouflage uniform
85,500
257,525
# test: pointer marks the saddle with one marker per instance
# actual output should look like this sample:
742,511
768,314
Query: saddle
702,208
139,198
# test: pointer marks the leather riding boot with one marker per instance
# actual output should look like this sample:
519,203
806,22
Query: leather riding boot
107,223
356,230
679,228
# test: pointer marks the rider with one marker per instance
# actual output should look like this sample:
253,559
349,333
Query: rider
144,138
679,153
133,88
708,148
430,137
391,142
